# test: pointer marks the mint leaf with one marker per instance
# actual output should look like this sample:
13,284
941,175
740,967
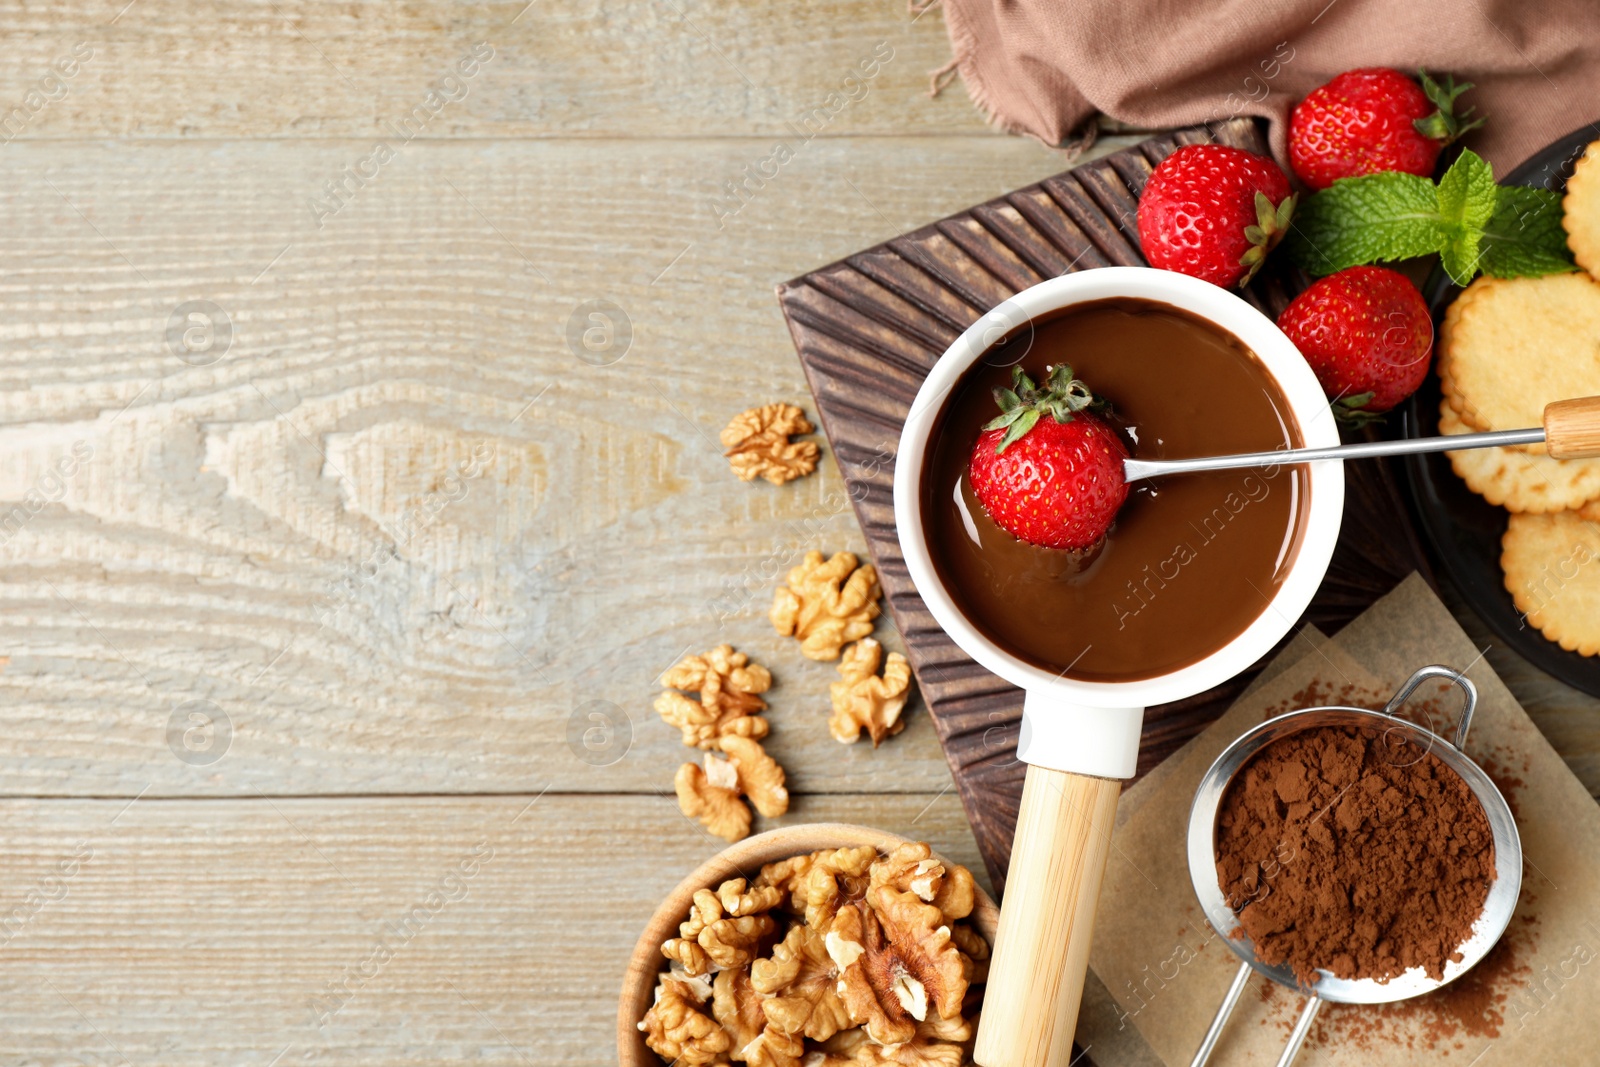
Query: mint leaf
1524,236
1363,220
1504,231
1466,200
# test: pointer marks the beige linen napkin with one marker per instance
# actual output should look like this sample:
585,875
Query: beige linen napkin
1044,67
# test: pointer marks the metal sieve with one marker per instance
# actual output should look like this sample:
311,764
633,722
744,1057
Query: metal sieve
1497,908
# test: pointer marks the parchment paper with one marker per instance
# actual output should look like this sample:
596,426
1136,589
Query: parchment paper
1102,1035
1159,971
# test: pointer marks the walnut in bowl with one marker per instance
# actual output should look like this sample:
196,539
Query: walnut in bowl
823,945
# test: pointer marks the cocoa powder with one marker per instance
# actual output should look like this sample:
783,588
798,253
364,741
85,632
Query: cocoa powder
1351,850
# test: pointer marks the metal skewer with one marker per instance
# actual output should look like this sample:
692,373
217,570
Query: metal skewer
1135,469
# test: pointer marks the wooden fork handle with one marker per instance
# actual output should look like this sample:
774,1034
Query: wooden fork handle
1572,428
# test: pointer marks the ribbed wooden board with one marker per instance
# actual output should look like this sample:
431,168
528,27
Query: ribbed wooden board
868,330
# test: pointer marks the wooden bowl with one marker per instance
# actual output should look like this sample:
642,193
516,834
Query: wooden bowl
741,860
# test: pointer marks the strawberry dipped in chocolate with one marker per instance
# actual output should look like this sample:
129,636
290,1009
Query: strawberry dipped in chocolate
1048,470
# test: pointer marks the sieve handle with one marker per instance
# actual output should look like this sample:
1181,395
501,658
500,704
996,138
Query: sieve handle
1214,1034
1302,1027
1297,1037
1448,674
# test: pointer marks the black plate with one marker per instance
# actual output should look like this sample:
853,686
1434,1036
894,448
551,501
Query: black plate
1462,528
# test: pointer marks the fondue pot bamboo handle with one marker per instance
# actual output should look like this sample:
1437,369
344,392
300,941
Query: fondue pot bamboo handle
1058,858
1572,428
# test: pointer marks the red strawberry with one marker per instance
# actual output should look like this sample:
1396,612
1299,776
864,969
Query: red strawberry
1047,470
1367,335
1214,212
1371,120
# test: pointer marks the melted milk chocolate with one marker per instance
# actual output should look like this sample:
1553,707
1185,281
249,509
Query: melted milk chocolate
1192,559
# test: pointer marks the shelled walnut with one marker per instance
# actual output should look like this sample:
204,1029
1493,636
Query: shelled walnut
758,774
758,445
864,700
712,796
838,958
827,604
722,937
729,687
801,982
924,1050
676,1029
736,1007
913,868
774,1048
723,720
920,1051
837,878
896,963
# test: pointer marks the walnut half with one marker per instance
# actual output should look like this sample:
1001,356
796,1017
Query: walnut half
836,877
912,868
712,796
827,604
896,962
724,718
758,774
930,1048
729,687
724,929
676,1029
800,982
865,701
758,445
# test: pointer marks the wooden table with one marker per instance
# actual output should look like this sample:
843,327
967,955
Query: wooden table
324,534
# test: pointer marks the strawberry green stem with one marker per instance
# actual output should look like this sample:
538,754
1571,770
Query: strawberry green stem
1023,404
1444,125
1352,410
1271,224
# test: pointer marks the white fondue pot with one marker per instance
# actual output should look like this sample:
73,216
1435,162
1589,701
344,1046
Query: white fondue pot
1080,739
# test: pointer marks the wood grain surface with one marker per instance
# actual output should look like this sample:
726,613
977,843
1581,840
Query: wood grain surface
289,625
399,930
395,540
560,68
285,531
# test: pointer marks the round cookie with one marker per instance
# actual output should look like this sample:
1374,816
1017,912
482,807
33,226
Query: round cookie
1581,210
1521,481
1552,570
1467,419
1441,355
1513,345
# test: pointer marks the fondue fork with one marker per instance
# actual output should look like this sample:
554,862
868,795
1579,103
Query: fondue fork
1571,430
